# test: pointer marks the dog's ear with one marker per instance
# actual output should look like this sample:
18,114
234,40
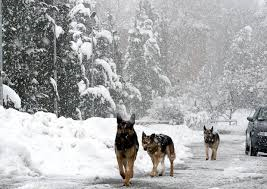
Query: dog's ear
132,119
205,128
152,136
119,119
211,129
143,134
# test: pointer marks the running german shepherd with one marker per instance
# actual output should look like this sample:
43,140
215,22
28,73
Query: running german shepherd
126,147
157,146
212,141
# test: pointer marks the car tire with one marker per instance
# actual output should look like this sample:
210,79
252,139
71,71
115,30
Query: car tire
246,148
252,151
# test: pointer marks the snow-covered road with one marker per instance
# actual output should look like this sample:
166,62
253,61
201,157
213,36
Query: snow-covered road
233,169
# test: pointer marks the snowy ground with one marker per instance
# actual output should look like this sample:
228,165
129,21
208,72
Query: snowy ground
241,117
41,151
40,147
232,169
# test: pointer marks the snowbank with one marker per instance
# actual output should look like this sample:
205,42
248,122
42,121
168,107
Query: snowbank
42,143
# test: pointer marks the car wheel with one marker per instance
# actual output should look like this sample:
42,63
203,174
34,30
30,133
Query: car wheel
246,147
252,151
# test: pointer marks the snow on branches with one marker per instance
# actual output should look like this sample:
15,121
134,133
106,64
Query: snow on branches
11,96
99,92
105,34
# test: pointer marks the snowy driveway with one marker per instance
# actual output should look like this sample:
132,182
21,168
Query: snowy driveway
233,169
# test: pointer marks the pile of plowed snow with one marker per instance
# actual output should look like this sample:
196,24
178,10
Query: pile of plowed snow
42,144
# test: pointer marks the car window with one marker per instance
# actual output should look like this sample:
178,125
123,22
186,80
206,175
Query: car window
256,113
251,114
263,114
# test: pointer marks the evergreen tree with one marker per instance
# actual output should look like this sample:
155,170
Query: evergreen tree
69,70
27,51
243,71
143,57
28,55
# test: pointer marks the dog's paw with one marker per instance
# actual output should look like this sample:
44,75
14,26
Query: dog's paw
127,184
152,174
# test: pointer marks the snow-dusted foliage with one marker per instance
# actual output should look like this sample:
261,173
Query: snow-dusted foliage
77,2
105,34
121,109
100,92
54,84
28,50
98,74
59,31
212,53
99,98
167,109
82,35
197,120
243,71
80,9
11,97
132,92
86,49
143,57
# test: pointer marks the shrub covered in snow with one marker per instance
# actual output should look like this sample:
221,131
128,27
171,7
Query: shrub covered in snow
96,101
10,96
167,108
196,120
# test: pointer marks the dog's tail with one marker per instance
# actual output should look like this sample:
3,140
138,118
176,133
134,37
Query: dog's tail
172,155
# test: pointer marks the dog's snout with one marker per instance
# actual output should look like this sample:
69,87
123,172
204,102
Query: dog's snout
145,148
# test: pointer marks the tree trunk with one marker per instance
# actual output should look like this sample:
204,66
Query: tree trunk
231,115
55,64
1,58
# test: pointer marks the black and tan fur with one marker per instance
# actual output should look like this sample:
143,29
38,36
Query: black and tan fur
126,147
157,147
212,141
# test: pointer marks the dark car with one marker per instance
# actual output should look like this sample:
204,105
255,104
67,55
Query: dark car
256,133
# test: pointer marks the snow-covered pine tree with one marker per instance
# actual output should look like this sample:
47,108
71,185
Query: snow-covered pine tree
28,55
93,46
28,34
260,51
242,71
143,57
69,72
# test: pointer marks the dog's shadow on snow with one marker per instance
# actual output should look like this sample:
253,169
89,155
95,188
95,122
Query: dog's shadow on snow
139,181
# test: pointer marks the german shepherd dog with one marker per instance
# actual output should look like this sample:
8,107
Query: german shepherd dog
126,147
212,141
157,146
